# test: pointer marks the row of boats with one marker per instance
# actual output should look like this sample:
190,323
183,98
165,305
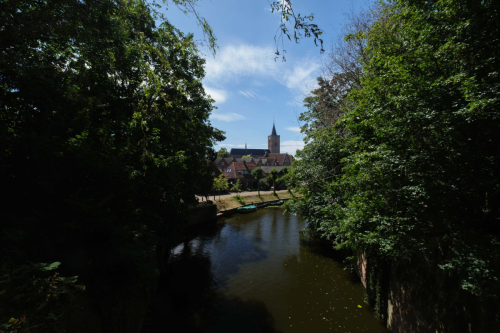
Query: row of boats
253,208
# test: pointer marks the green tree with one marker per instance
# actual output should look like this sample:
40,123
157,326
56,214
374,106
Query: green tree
221,184
274,175
247,156
223,153
102,110
411,164
103,136
258,174
264,184
237,186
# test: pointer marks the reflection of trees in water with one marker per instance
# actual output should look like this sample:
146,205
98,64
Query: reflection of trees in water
274,226
286,220
324,248
257,234
188,300
233,314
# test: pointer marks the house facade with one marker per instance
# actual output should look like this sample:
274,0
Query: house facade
235,167
242,171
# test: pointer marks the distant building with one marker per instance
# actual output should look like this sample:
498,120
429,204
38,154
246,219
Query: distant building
273,142
273,147
242,171
235,167
240,152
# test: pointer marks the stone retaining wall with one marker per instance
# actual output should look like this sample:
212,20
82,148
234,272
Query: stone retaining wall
423,298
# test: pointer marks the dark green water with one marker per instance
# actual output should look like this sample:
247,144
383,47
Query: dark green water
255,273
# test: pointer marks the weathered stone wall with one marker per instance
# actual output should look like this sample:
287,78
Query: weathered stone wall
423,298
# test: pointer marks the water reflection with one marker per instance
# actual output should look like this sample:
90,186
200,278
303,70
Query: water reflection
254,273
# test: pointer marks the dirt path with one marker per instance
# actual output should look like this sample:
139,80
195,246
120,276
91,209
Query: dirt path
241,194
234,200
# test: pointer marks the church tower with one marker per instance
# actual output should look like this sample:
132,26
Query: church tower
273,141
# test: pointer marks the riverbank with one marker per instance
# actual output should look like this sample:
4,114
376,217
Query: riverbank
235,201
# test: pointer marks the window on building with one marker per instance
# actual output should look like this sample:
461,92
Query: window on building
222,163
228,170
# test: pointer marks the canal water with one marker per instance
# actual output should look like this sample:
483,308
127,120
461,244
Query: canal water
256,273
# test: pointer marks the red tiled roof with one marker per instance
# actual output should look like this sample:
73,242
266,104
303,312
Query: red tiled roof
279,157
234,167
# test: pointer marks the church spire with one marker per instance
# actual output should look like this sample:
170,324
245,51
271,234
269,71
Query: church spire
274,130
273,141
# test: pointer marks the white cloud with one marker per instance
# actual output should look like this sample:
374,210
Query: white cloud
251,94
243,145
291,146
248,94
226,144
219,95
227,116
293,129
234,62
302,78
256,65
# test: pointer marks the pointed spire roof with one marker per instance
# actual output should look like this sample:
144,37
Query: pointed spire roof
274,130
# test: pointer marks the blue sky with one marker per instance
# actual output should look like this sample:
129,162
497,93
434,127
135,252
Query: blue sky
249,87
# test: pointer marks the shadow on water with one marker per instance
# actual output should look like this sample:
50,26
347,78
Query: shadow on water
256,273
188,299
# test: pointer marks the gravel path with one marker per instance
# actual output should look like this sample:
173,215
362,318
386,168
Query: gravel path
243,194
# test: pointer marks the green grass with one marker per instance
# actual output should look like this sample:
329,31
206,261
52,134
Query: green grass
240,199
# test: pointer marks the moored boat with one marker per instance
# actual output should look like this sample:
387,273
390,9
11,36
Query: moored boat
247,209
276,203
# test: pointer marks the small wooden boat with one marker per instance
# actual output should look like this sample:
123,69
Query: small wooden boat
276,203
247,209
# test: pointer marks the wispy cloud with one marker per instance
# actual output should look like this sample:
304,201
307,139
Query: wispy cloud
243,145
256,65
218,95
227,116
293,129
302,78
251,94
291,146
226,144
248,94
236,61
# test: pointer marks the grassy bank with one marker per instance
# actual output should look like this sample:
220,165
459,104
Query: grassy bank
238,201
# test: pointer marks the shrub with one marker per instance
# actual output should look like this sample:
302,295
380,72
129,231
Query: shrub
264,185
240,199
237,186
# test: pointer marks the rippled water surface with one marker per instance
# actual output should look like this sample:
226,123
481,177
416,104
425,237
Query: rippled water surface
255,273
